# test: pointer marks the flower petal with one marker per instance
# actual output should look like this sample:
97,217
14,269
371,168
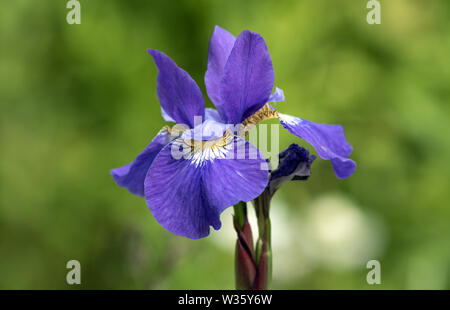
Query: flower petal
237,179
210,114
247,80
178,94
343,167
294,164
187,195
208,130
166,116
220,47
132,175
213,115
277,96
328,140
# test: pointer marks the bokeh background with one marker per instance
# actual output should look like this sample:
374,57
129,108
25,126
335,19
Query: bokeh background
78,100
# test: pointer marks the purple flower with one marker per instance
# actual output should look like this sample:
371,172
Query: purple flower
294,164
187,194
240,75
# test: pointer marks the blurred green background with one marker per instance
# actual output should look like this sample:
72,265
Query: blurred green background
78,100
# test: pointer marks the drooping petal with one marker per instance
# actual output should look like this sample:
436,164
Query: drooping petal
178,94
132,175
343,167
187,194
220,47
174,194
277,96
328,140
294,164
240,178
248,78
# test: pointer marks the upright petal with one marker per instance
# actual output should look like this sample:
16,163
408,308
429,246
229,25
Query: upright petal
187,195
179,95
213,115
277,96
248,78
220,47
132,175
328,140
166,116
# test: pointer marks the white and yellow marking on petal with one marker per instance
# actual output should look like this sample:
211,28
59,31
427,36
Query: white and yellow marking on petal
290,120
266,112
200,151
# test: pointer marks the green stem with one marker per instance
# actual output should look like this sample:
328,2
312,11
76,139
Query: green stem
240,214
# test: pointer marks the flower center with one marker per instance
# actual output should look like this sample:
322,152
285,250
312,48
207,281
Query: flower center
200,151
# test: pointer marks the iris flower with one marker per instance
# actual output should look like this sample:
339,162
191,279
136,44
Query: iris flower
187,194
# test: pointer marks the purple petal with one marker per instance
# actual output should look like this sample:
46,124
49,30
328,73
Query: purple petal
178,94
213,115
220,47
343,167
328,140
166,116
294,164
132,175
187,195
229,181
208,130
247,80
277,96
210,115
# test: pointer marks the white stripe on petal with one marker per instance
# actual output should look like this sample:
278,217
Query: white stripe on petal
290,120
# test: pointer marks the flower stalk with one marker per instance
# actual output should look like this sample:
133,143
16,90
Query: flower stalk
245,267
253,267
263,278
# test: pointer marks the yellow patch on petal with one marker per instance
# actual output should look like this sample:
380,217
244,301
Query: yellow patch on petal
265,113
199,151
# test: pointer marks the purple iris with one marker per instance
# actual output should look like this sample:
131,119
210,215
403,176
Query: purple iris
186,195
